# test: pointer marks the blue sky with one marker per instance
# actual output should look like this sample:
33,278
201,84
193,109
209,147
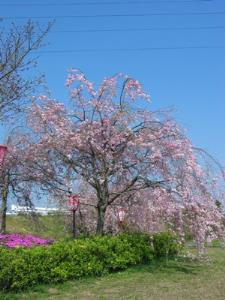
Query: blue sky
192,80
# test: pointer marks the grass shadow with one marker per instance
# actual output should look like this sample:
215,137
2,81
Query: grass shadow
164,265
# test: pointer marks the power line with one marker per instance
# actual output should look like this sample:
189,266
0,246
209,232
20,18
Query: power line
118,15
129,49
139,29
104,3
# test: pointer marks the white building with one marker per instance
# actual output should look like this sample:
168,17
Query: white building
44,211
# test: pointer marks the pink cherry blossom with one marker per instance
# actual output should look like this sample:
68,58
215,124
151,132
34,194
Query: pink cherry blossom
126,155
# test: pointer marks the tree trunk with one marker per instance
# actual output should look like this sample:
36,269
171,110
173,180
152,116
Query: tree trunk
103,200
3,211
101,220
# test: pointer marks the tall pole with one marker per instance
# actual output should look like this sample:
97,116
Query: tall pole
4,189
74,223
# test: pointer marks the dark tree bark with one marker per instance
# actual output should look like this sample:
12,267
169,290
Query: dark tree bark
100,219
4,196
103,201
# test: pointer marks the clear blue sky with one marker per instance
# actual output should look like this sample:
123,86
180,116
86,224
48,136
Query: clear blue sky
190,79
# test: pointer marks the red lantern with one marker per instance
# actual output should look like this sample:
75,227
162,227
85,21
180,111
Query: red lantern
74,202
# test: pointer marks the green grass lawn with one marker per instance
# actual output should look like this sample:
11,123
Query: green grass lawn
51,226
172,280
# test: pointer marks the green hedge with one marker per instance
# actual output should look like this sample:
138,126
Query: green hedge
21,267
166,244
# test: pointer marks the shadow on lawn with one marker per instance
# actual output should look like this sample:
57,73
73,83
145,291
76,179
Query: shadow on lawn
170,266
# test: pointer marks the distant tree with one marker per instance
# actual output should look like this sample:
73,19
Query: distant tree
17,182
122,150
17,48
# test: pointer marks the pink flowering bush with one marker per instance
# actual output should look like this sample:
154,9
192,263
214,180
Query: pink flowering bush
14,240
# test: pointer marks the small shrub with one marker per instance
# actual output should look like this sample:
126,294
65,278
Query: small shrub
166,244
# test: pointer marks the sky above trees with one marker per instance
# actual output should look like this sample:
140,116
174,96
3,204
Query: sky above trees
180,62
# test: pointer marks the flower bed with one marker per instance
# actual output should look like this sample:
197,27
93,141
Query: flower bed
14,240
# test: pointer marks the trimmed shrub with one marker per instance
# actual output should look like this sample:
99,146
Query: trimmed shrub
21,268
166,244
